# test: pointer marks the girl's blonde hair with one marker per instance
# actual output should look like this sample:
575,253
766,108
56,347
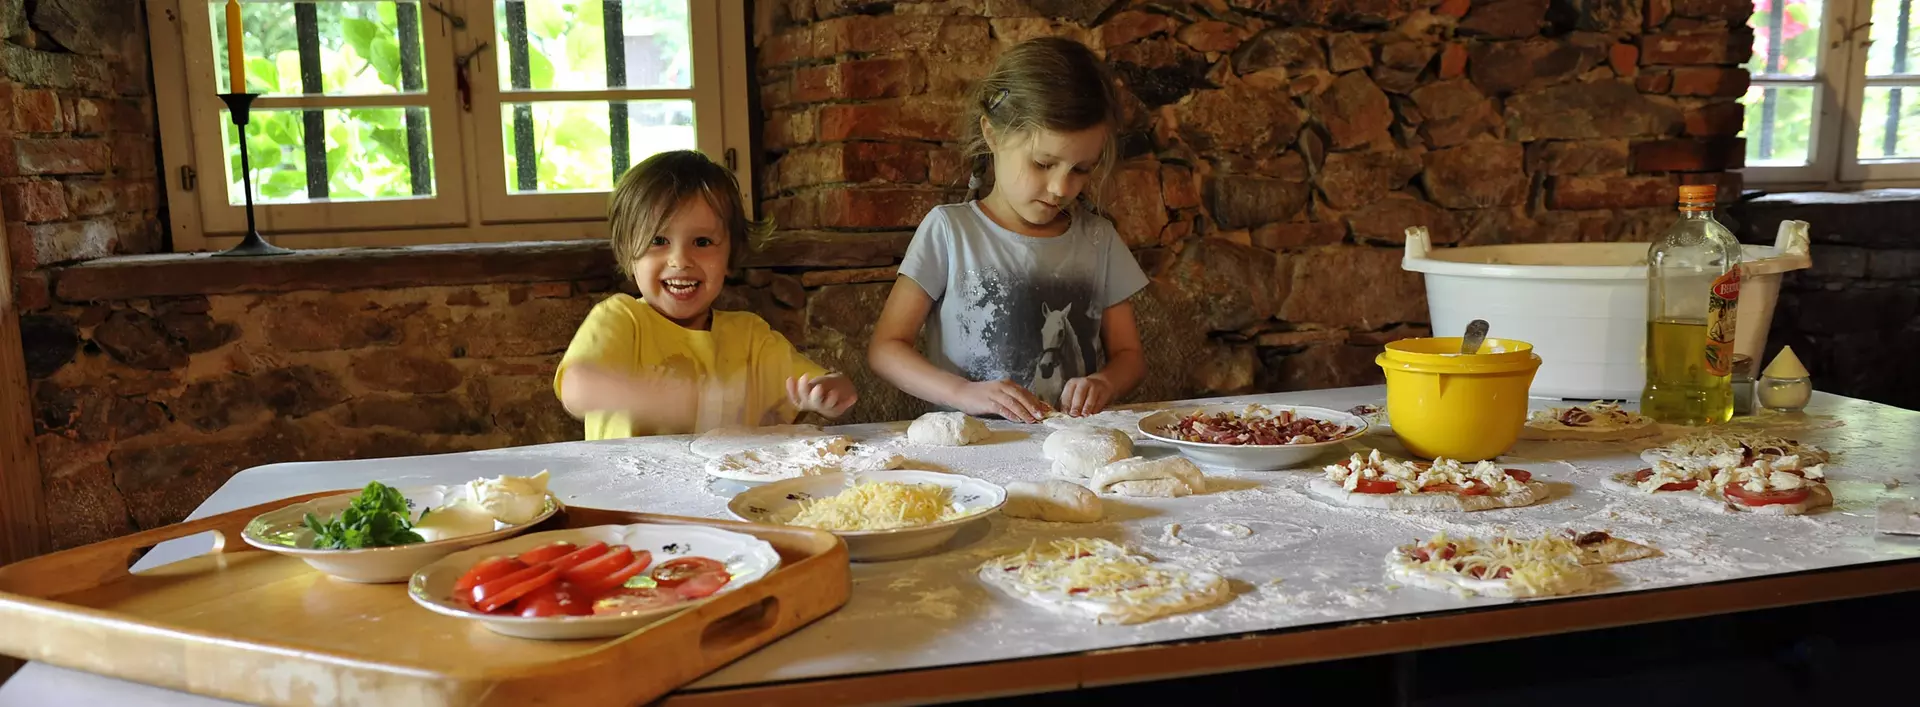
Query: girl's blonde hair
644,201
1050,83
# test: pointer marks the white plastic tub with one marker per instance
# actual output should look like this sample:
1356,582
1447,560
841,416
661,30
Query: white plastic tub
1583,306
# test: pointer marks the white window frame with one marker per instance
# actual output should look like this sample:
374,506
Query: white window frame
1840,88
471,202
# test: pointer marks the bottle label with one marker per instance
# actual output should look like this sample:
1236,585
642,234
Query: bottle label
1722,307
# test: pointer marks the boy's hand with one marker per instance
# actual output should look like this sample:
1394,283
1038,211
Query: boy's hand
829,395
1003,398
1085,396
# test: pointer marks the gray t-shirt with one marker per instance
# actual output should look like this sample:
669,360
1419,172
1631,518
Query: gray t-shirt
1014,307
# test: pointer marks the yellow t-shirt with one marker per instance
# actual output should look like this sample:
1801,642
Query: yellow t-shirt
741,365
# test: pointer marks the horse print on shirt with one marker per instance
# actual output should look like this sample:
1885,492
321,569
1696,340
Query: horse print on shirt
1035,331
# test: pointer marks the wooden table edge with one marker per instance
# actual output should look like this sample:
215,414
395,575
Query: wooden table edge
1161,661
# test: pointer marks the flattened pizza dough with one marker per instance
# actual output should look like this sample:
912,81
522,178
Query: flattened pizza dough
1599,548
1526,494
1706,499
803,457
1534,567
1055,500
1602,423
1096,579
1079,452
1165,477
947,429
727,440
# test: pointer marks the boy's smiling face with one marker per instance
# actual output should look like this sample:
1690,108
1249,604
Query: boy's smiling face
685,264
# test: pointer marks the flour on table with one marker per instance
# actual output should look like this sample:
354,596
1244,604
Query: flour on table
727,440
804,457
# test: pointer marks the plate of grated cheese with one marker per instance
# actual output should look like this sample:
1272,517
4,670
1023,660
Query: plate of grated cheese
882,515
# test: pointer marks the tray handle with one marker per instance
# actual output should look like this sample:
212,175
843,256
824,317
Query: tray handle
724,637
93,565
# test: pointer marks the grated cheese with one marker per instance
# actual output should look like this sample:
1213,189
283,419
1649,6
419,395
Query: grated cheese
1088,569
1603,414
1541,565
1726,448
882,505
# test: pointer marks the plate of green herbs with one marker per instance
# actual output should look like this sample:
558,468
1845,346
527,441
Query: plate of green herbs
368,535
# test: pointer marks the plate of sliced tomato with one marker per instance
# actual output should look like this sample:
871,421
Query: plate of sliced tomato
593,582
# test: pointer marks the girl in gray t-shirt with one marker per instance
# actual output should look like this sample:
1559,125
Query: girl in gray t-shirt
1026,289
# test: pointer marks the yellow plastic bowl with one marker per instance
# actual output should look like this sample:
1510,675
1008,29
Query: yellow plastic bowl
1469,407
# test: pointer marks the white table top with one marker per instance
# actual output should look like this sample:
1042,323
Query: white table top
1306,563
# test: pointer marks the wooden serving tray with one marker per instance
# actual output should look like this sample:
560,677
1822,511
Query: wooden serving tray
245,624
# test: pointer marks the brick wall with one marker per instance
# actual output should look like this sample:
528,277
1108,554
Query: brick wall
77,174
1275,152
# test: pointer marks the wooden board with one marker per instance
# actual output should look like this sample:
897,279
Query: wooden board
244,624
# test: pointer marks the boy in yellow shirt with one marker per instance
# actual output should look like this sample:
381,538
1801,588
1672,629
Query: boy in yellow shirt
667,363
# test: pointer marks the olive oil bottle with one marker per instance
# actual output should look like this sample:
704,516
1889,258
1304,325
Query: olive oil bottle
1693,289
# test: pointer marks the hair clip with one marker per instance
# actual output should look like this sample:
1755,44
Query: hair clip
998,98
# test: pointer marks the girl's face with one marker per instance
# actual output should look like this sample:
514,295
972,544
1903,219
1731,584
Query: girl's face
683,268
1037,173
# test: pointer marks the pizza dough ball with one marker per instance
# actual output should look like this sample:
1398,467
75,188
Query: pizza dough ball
1166,477
1078,452
947,429
1057,501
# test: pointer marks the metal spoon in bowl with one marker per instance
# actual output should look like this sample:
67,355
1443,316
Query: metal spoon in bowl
1476,334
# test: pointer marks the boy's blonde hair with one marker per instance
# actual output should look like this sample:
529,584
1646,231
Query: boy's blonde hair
1050,83
644,201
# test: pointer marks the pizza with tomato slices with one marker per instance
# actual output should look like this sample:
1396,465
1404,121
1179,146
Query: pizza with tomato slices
1501,567
1769,486
1599,421
1378,481
1097,579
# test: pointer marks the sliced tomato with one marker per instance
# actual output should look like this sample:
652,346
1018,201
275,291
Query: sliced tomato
578,557
672,572
1520,475
506,596
546,552
1767,498
556,599
483,592
636,600
1642,475
602,585
703,584
486,571
616,557
1376,486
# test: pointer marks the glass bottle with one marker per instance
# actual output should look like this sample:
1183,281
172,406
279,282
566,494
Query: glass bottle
1693,289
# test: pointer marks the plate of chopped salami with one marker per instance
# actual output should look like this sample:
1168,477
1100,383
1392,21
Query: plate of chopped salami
1253,437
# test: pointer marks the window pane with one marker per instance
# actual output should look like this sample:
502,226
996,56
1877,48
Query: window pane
301,156
1892,51
578,145
338,48
1779,128
1890,123
564,44
1786,37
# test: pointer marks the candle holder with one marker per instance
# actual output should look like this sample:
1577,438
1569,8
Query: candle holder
253,245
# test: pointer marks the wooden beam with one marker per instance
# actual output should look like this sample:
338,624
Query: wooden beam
23,524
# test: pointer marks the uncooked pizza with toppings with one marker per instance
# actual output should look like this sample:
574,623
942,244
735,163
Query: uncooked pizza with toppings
1378,481
1097,579
1258,425
1599,421
1780,485
1722,449
1552,564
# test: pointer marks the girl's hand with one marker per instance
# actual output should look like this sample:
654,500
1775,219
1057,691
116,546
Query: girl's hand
1085,396
1002,397
829,395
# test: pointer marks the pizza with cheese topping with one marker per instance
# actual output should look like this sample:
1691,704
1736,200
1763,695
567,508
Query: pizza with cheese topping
1598,421
1102,581
1722,449
1780,485
1378,481
1501,567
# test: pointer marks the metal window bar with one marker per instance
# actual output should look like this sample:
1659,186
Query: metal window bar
1769,97
614,24
313,133
407,16
520,74
1890,135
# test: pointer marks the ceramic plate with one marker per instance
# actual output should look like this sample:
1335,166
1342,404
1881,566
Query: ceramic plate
284,531
747,558
773,503
1253,457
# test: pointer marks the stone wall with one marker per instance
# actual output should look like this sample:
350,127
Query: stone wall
1275,152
